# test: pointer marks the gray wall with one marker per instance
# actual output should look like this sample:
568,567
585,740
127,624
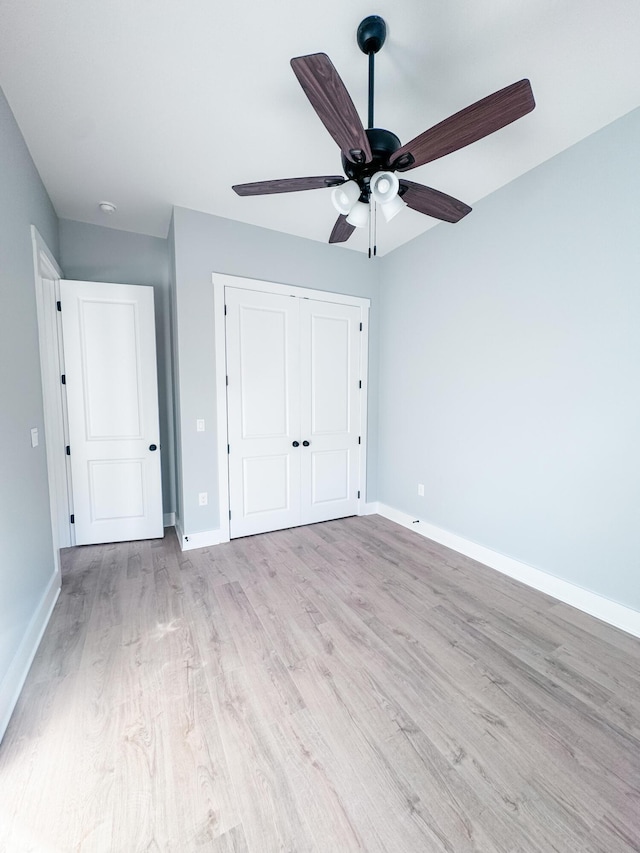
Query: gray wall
26,548
206,244
94,253
510,369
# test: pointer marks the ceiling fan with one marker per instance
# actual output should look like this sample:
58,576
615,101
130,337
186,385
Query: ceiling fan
372,156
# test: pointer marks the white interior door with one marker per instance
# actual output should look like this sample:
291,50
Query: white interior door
263,372
293,402
330,410
112,397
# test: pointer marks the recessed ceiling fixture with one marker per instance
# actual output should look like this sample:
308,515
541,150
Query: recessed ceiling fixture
371,157
107,207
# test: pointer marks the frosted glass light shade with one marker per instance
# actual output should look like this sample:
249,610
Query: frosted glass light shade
391,208
345,196
384,186
359,215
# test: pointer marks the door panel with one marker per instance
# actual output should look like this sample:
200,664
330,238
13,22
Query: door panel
329,476
263,342
330,408
266,484
110,369
110,364
264,388
330,372
117,489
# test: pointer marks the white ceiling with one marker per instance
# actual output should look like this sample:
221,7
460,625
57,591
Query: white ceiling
151,103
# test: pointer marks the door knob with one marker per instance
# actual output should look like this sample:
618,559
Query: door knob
305,443
153,447
296,444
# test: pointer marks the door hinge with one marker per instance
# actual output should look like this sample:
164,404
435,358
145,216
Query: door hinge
73,519
59,305
360,326
229,515
360,383
225,310
228,448
68,450
358,494
227,378
359,439
63,379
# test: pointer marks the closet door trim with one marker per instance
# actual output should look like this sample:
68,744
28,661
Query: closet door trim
220,283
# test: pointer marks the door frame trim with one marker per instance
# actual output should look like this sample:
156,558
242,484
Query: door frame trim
220,282
46,269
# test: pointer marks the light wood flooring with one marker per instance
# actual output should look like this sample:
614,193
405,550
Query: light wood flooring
346,686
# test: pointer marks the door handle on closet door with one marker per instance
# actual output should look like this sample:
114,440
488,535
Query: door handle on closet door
306,443
296,444
153,447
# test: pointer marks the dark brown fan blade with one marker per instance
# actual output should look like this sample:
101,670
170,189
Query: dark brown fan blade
330,99
467,126
341,230
288,185
433,202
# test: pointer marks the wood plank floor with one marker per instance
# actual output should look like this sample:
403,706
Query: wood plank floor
346,686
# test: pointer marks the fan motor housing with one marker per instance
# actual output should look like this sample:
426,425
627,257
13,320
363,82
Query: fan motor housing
383,144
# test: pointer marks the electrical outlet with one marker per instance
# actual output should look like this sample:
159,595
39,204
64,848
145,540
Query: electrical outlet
34,437
203,499
420,490
200,425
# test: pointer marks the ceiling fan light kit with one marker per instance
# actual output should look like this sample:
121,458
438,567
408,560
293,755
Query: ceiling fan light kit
359,214
384,186
392,207
371,157
345,196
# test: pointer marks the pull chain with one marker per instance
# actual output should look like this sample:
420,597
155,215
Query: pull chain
373,228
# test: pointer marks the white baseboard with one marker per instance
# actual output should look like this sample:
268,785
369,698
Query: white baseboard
14,679
189,541
169,519
371,508
589,602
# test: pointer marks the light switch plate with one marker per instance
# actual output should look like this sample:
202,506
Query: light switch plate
34,437
200,425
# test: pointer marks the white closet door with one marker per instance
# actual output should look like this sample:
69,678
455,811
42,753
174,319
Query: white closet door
293,403
330,409
110,365
263,370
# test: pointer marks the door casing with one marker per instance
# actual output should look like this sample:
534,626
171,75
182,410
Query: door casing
220,283
47,284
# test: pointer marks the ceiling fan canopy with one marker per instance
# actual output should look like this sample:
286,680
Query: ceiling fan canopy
371,156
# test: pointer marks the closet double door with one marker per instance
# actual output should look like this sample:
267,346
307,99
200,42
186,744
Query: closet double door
293,408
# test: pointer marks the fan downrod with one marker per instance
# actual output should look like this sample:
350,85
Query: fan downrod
372,33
